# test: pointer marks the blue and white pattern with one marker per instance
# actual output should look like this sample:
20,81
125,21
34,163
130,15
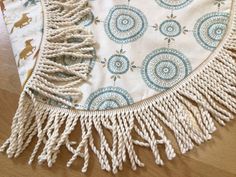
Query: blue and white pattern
125,24
118,64
108,98
210,29
124,69
70,60
173,4
170,28
164,68
88,20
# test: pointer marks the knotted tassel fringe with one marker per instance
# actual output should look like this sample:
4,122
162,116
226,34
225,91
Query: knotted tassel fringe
189,110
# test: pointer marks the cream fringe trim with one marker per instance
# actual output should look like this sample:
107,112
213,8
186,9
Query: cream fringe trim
188,110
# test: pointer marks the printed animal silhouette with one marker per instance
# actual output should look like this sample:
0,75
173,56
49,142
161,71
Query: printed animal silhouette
30,2
2,6
25,20
27,51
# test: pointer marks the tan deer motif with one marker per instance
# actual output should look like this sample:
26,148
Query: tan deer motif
24,20
27,51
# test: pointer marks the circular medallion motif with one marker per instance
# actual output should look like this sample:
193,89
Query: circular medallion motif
170,28
164,68
125,24
108,98
210,29
118,64
70,60
88,20
173,4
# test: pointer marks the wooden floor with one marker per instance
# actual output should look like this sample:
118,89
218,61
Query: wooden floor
216,158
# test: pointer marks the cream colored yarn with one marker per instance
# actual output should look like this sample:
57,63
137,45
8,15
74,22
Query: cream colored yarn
189,110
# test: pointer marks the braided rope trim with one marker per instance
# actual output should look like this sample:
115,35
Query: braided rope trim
188,112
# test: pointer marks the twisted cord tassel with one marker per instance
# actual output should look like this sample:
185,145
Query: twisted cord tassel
188,112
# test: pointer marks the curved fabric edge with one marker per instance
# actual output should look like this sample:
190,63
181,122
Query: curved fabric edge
188,110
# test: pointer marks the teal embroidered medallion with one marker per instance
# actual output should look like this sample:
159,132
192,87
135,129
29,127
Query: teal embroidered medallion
164,67
125,24
108,98
210,29
125,73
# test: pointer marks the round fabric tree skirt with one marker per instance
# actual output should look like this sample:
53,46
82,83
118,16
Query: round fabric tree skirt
133,73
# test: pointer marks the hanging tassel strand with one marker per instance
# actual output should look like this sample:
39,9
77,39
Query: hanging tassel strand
188,111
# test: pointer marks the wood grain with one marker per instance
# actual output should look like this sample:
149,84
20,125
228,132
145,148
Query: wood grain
216,158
